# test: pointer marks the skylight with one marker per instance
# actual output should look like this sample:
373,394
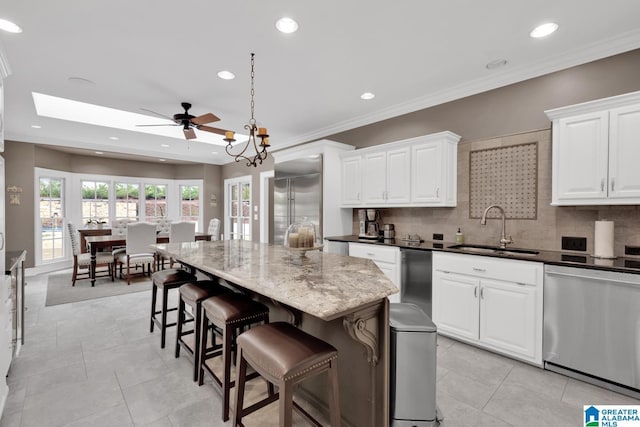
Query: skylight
81,112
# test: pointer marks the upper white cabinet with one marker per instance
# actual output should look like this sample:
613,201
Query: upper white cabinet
413,172
352,180
595,151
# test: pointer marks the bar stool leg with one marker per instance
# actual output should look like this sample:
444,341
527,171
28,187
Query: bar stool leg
179,323
286,404
334,399
204,328
226,361
163,323
241,373
154,293
196,351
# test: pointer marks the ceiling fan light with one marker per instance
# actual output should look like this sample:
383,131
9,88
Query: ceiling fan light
9,27
226,75
543,30
286,25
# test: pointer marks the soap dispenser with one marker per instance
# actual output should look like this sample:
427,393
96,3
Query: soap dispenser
459,237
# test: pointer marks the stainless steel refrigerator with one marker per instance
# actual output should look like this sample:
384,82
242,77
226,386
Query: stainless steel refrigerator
297,195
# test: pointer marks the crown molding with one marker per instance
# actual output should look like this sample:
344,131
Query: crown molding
589,53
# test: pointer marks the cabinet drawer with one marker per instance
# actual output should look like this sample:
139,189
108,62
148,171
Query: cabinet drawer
374,252
525,272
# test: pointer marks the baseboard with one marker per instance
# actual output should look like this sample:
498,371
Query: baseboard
48,268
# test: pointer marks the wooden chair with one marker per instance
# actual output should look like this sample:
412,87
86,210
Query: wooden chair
140,236
118,229
83,260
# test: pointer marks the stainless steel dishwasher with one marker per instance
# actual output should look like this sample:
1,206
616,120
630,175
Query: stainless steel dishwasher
415,276
592,326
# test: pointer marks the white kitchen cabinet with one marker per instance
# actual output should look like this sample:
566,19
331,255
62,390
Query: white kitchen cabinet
420,171
352,180
595,152
387,258
386,177
490,302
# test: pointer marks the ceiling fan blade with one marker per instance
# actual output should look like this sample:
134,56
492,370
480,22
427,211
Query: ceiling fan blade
205,118
163,124
189,133
158,114
212,129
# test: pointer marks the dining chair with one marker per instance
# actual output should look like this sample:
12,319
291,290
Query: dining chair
214,229
140,236
83,260
118,229
163,225
182,231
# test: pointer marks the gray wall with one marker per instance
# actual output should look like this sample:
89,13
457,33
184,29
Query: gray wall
21,159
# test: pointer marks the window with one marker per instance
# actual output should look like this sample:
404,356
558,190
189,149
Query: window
190,203
51,218
238,202
127,197
155,202
95,201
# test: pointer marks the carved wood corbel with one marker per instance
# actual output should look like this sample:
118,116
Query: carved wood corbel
363,327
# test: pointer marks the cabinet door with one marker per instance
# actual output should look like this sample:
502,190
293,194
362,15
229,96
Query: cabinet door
455,304
398,176
374,177
624,152
391,271
580,152
508,316
1,116
352,180
426,173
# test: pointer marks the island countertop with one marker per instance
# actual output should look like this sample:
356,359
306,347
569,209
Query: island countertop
323,285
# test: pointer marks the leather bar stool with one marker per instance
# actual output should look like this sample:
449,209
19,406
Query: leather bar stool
193,294
285,356
166,280
228,314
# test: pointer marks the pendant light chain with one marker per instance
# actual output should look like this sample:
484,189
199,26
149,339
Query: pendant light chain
253,92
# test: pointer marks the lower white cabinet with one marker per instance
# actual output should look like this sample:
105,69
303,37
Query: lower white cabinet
490,302
387,259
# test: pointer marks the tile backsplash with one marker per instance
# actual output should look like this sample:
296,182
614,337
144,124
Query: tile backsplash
543,233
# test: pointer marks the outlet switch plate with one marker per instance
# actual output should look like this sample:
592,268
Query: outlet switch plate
438,236
631,250
574,243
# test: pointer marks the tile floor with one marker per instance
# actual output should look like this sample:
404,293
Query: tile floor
94,363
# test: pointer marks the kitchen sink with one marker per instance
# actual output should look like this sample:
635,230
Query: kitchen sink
485,249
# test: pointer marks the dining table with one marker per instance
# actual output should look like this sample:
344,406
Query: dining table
96,243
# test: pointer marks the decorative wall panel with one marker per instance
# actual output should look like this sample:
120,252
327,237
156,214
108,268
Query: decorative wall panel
505,176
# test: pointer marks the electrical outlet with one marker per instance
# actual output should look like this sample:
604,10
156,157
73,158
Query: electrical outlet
438,236
574,243
631,250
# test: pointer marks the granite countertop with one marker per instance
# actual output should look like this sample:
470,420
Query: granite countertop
324,285
568,259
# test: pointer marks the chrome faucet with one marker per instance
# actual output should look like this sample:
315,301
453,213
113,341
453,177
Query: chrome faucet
504,241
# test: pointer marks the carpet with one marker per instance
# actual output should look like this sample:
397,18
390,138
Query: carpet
60,291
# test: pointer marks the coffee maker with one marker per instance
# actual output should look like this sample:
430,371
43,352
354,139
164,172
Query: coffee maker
368,225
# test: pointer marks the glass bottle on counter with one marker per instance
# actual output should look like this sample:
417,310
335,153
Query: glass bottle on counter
301,235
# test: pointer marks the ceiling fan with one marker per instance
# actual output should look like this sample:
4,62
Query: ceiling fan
189,122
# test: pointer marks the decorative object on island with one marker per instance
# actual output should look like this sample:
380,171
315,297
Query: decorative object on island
301,236
254,130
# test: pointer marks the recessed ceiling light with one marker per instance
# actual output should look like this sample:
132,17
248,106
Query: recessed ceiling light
226,75
114,138
36,126
81,81
214,153
496,63
162,160
286,25
543,30
367,95
99,152
9,26
164,145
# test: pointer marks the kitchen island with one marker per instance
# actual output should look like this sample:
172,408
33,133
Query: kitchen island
341,300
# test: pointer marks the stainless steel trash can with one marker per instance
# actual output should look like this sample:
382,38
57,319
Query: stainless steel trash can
413,367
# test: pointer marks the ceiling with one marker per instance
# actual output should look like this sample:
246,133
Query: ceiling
412,54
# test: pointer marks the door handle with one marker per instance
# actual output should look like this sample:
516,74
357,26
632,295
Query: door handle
602,184
480,270
481,293
613,184
475,292
437,193
2,244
